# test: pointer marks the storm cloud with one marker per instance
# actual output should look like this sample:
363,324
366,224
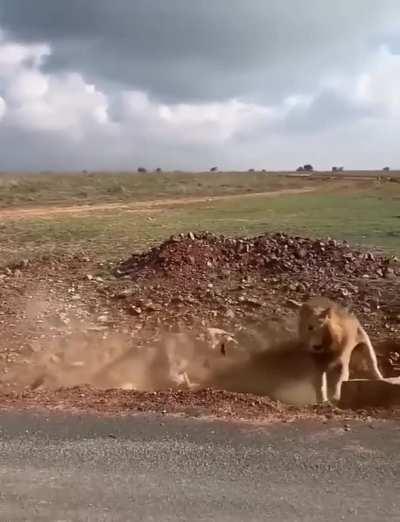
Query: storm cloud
185,84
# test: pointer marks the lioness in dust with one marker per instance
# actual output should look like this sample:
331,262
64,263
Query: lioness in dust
330,332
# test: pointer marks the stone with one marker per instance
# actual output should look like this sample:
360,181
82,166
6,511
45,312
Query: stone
123,294
291,303
364,393
103,319
390,273
230,314
134,310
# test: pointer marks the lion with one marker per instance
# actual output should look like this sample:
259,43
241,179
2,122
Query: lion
330,333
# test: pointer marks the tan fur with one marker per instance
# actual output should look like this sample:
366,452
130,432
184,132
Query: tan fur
330,332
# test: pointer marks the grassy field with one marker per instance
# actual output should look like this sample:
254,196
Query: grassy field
68,189
365,212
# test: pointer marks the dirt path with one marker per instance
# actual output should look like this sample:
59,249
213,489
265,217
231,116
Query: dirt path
136,207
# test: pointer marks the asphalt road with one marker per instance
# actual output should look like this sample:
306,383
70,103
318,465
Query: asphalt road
152,468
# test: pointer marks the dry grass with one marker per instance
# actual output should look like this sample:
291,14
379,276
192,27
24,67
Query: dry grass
67,189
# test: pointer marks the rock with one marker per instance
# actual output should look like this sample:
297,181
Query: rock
301,253
151,307
393,262
218,336
364,393
123,294
24,263
230,314
250,301
177,299
389,273
96,328
104,319
134,310
291,303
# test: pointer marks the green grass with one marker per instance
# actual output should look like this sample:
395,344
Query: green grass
367,215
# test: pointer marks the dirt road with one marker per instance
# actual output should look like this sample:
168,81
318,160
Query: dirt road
136,207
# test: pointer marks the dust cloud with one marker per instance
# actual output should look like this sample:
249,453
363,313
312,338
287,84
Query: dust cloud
263,360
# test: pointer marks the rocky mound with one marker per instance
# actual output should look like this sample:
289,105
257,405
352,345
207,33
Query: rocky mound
270,254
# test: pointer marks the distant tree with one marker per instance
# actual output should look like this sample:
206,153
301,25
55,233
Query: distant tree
158,169
214,169
386,169
300,169
141,169
308,167
251,170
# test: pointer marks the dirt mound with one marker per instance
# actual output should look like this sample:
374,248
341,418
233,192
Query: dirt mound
270,254
242,281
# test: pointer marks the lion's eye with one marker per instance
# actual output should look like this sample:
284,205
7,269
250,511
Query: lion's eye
310,327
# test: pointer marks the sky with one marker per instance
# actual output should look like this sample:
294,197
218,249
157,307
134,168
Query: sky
192,84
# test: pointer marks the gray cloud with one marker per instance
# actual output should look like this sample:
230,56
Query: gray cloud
255,83
328,110
188,51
